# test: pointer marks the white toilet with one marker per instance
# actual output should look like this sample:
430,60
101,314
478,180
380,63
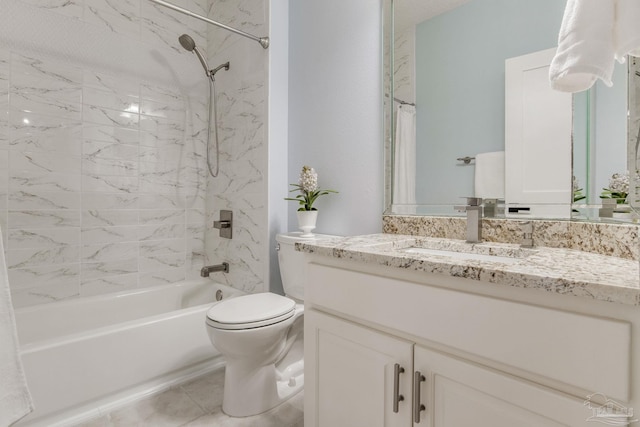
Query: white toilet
261,338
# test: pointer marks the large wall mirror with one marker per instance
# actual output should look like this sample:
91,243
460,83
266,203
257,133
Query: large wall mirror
446,59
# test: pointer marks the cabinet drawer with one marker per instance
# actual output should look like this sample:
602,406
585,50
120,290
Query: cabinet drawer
584,351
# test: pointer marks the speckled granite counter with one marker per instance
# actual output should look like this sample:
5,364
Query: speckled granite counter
562,271
619,240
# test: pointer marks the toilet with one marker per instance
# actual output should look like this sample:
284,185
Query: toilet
261,338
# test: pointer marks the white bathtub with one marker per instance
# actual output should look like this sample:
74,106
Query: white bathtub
83,354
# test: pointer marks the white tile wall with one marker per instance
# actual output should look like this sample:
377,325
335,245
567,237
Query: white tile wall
242,107
102,183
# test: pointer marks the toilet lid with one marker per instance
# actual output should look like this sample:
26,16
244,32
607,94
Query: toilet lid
250,311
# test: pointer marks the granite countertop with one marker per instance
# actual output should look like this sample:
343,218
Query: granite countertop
562,271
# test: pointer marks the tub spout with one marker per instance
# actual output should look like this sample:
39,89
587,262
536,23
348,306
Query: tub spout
224,267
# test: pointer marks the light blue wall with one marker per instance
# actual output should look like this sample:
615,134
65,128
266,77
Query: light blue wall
460,85
606,152
278,132
335,110
609,135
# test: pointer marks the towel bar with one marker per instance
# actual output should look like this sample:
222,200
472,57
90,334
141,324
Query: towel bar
465,159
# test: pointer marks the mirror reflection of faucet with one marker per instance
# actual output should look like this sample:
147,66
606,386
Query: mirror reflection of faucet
493,208
527,234
473,209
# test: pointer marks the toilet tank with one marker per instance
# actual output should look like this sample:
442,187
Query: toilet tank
292,267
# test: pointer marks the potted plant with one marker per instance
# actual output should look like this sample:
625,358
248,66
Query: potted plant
618,188
309,193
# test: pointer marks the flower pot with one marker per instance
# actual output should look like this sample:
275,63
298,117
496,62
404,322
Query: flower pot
307,222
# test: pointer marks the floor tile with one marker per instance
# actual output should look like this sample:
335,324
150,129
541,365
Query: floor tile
197,403
207,391
171,408
285,415
97,422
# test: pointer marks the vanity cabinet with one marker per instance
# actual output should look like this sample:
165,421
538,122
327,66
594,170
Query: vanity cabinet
367,378
381,351
356,369
458,393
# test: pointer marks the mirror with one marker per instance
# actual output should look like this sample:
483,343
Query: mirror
448,59
633,151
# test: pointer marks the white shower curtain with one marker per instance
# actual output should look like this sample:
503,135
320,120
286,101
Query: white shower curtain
15,400
404,168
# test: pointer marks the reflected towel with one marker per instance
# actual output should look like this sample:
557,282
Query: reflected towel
404,168
586,50
627,29
15,400
489,179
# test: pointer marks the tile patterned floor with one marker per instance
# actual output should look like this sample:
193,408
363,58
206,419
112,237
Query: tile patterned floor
194,404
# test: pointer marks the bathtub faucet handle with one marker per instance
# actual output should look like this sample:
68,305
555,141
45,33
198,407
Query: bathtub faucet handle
225,224
224,267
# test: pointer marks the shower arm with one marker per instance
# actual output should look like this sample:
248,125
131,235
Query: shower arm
264,41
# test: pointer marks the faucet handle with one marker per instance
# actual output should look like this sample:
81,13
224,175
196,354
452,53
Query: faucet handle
527,234
474,201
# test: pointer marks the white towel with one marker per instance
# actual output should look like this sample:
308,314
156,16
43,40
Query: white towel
15,400
586,50
489,179
627,29
404,182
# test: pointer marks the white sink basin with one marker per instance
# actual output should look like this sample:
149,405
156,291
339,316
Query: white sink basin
464,255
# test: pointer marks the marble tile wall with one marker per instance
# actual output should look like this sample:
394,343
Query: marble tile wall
102,183
404,64
242,116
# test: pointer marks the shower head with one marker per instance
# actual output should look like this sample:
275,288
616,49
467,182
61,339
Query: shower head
187,42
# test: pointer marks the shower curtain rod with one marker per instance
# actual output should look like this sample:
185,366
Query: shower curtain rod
264,41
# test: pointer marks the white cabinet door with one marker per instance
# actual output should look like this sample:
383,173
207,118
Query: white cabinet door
538,126
460,394
349,380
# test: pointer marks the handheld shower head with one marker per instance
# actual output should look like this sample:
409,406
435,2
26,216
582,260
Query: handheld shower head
187,42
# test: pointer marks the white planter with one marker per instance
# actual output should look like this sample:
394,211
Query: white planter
307,222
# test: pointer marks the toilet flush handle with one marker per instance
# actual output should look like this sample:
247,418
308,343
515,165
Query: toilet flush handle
278,247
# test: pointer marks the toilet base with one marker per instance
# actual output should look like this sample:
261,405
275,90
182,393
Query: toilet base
252,393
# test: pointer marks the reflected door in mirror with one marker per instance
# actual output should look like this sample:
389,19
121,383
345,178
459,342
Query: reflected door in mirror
537,139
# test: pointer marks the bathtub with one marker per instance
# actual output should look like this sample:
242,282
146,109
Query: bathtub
84,355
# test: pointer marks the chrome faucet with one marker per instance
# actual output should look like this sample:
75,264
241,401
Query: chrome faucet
474,218
224,267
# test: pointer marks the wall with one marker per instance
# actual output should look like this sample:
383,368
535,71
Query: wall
609,132
242,184
101,148
600,134
335,110
278,132
460,90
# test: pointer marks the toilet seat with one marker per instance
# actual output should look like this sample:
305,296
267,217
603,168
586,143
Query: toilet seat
250,311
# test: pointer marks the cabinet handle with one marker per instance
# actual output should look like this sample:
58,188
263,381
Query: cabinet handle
417,406
397,397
